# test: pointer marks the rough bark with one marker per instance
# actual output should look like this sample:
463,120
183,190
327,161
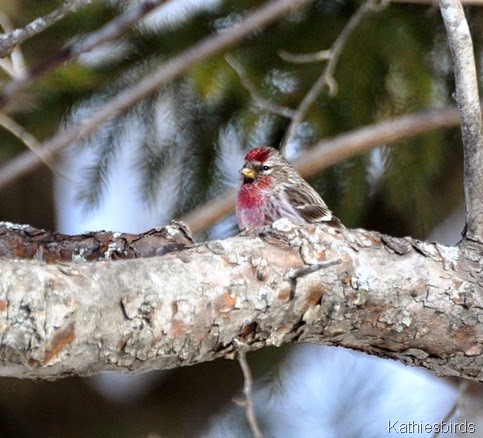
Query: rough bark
416,302
26,242
461,46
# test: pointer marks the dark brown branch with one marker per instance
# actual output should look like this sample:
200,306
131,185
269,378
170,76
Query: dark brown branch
25,242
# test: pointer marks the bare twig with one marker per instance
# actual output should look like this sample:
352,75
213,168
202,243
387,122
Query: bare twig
10,40
335,150
28,139
15,65
456,406
112,30
257,98
304,58
247,391
26,162
297,273
327,76
461,47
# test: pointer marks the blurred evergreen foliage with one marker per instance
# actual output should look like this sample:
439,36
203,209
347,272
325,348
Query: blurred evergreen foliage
396,62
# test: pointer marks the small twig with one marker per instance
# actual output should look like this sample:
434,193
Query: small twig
305,58
110,31
455,407
257,98
327,76
28,140
10,40
15,66
461,46
247,391
296,273
24,163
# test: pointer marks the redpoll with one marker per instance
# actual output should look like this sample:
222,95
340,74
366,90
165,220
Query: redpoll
271,189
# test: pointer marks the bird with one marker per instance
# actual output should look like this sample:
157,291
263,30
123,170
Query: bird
271,189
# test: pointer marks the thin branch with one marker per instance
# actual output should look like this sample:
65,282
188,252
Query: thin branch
461,47
166,72
327,76
15,66
304,58
256,97
10,40
247,391
456,406
295,274
110,31
28,140
331,151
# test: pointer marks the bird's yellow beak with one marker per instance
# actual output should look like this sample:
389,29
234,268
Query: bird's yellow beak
248,173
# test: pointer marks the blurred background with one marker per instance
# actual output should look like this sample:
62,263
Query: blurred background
184,145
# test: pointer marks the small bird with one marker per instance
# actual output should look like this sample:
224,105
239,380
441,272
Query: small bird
272,189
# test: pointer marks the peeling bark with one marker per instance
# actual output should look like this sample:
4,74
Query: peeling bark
26,242
417,302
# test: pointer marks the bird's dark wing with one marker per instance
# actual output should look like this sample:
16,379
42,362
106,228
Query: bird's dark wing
309,205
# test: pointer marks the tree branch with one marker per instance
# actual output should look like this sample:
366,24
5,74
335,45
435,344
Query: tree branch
331,151
247,391
28,140
9,41
461,47
256,97
15,66
416,302
327,77
210,46
112,30
26,242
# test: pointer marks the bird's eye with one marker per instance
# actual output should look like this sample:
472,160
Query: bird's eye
265,168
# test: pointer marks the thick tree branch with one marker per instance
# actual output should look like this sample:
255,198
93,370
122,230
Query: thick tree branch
334,150
416,302
9,41
467,97
172,69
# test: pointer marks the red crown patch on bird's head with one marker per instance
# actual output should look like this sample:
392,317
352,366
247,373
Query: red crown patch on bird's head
260,154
